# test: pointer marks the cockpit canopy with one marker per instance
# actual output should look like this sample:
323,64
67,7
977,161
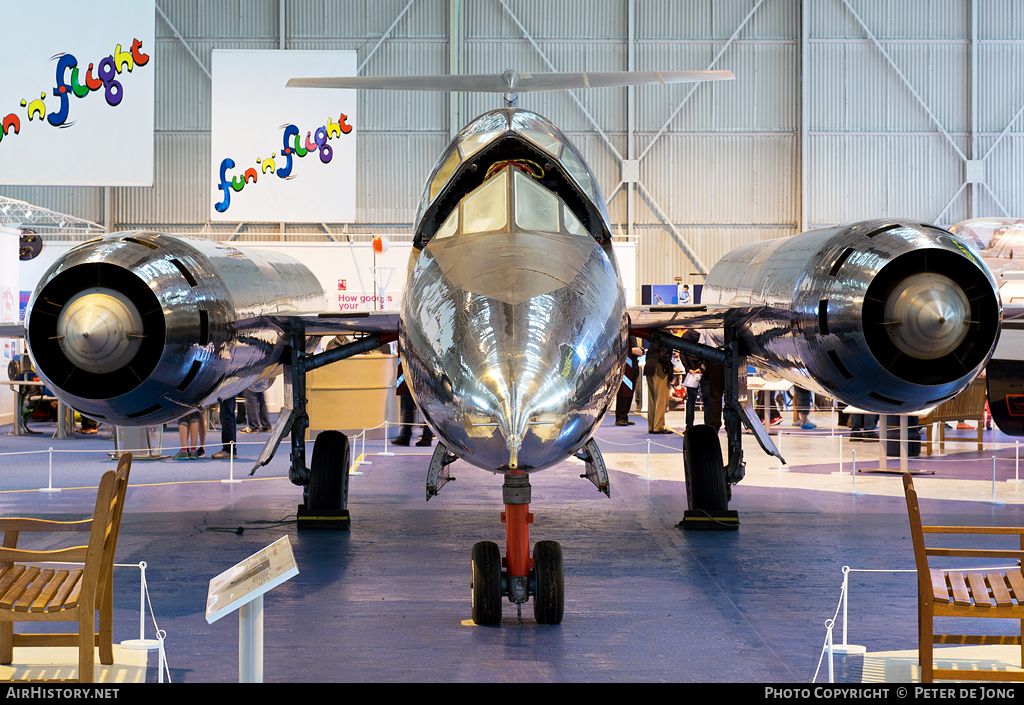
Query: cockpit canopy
511,199
550,168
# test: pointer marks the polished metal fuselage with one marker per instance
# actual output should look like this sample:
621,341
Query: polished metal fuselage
202,303
513,337
512,372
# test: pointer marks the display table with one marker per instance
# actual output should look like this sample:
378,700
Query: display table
21,388
883,431
759,384
353,394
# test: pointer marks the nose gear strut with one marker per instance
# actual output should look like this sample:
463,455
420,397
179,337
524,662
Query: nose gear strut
517,576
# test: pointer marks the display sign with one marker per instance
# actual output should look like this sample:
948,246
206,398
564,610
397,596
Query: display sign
256,575
282,154
77,99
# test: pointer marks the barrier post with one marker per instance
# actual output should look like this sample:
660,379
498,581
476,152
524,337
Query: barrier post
994,501
846,648
385,451
49,487
231,467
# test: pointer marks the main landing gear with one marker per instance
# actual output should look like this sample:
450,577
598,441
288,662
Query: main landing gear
517,576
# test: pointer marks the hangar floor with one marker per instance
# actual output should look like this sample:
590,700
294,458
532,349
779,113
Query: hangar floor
389,600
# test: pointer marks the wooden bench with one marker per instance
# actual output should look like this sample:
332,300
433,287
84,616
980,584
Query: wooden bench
980,592
33,593
969,405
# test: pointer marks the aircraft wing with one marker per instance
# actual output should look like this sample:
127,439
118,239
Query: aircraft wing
337,322
511,81
645,319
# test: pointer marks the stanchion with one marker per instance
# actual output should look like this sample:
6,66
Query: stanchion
231,467
49,487
142,642
362,453
994,500
853,472
648,462
385,452
845,648
840,457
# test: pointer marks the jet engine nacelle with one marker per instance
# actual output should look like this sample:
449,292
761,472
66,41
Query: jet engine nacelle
137,328
888,316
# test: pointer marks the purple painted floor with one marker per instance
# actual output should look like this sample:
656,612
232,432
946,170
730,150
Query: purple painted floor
389,600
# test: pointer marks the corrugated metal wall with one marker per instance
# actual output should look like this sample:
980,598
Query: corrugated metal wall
727,169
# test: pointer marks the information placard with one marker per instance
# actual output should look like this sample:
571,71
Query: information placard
256,575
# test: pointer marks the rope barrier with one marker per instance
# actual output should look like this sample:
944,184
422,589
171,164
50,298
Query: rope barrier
844,598
142,642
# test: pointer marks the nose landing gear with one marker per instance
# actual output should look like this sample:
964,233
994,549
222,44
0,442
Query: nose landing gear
541,577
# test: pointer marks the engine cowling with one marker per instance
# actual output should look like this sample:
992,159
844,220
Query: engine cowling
137,328
888,316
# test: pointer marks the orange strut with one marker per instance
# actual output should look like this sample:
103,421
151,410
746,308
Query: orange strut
517,520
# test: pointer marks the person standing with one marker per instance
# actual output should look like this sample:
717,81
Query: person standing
693,369
227,430
803,407
658,370
714,377
628,386
255,403
408,420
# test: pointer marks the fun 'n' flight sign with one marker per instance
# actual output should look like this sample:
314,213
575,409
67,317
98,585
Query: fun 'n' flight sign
282,154
76,102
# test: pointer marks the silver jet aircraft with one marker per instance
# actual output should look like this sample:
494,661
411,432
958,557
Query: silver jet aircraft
513,332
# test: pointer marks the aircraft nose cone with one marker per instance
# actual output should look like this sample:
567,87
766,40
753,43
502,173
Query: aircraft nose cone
93,330
522,399
927,315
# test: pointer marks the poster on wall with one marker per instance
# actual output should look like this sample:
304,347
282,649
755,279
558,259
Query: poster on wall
77,98
282,154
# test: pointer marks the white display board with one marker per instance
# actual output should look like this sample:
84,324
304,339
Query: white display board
245,581
8,312
282,154
77,97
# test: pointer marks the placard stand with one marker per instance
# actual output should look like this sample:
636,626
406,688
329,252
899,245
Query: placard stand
242,586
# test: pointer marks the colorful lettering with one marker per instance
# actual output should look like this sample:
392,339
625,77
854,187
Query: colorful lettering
225,185
37,108
59,117
93,84
139,58
123,58
11,121
79,90
292,146
321,141
109,68
287,151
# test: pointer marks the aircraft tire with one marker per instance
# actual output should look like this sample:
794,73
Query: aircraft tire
486,585
706,487
549,595
328,471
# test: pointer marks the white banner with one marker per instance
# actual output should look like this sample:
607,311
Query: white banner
282,154
76,100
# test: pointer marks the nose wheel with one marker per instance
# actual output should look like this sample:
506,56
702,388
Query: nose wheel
545,583
487,583
548,583
518,577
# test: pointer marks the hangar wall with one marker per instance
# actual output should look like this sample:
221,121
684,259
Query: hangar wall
903,100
